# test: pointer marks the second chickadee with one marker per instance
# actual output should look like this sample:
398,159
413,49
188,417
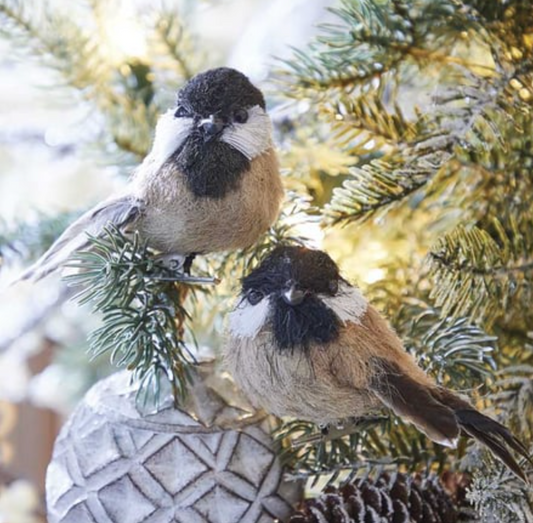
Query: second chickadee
305,343
210,183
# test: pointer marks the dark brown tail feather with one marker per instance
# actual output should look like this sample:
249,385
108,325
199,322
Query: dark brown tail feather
415,402
491,433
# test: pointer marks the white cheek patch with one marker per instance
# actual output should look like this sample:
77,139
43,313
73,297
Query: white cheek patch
348,304
253,137
246,319
170,133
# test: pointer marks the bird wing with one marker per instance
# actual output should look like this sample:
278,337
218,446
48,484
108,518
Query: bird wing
375,360
441,414
413,401
372,360
121,211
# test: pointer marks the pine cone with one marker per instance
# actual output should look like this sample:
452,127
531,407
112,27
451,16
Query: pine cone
395,498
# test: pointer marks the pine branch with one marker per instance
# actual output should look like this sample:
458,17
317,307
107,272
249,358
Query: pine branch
53,39
143,317
514,396
455,352
124,93
474,124
364,124
384,183
374,39
480,273
499,496
180,55
372,442
465,122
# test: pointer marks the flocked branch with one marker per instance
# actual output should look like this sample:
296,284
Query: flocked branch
143,316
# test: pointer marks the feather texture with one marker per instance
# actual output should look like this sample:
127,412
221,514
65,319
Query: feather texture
120,212
413,401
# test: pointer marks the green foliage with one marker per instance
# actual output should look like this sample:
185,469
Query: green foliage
514,395
499,496
483,273
379,184
385,442
372,40
143,316
432,102
363,70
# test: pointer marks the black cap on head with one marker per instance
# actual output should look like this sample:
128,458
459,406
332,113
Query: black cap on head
309,269
218,90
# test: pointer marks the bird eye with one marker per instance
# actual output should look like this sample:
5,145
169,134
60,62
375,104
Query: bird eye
181,112
254,297
240,116
333,286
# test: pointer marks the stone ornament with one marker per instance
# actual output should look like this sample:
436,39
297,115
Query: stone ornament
114,464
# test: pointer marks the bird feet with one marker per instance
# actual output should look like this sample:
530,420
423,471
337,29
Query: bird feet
345,427
177,267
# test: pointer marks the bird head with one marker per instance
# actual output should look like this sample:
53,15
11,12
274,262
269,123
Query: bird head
299,295
218,126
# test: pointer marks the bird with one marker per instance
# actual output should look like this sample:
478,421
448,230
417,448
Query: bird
210,183
303,342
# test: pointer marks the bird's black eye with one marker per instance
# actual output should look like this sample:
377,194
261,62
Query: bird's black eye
333,286
254,297
240,116
182,112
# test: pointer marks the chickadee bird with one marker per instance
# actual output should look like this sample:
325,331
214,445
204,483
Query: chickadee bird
303,342
210,183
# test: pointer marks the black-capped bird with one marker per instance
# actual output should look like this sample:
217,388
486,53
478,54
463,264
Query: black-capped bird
303,342
210,183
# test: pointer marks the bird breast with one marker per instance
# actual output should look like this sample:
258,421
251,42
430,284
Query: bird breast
305,384
176,221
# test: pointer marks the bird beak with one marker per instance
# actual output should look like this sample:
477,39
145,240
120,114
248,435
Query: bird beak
293,296
211,127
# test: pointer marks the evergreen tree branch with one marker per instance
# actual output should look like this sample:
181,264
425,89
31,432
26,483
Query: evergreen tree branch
382,184
377,38
143,317
123,93
480,273
514,395
466,118
360,120
52,40
177,43
499,496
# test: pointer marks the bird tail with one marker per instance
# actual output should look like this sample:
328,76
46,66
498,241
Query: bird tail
496,437
442,415
117,211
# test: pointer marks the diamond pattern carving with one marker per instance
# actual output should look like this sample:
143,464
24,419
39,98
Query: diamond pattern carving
112,468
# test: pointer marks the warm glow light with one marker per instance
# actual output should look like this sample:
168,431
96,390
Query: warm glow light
312,232
374,275
125,36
